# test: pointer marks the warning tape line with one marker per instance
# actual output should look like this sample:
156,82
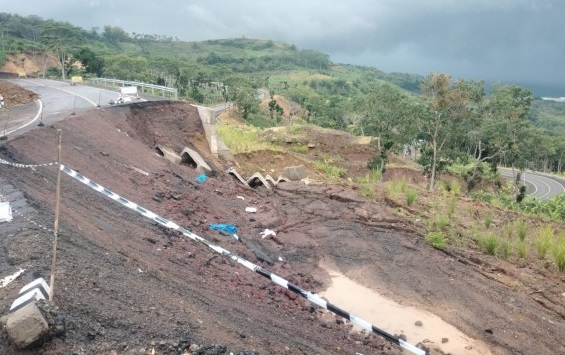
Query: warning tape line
5,162
256,268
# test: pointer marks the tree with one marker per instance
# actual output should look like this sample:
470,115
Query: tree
505,126
115,34
384,108
445,110
92,62
275,109
559,157
243,93
355,122
61,37
126,67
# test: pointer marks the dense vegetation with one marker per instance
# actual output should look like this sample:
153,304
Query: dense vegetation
448,121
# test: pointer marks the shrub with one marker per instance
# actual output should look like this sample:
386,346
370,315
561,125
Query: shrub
489,243
367,191
436,240
403,185
508,230
521,230
441,222
543,241
559,253
411,197
455,188
331,171
302,149
366,183
522,249
393,188
504,249
488,221
451,207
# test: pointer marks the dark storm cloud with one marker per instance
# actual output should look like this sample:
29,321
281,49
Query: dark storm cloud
507,40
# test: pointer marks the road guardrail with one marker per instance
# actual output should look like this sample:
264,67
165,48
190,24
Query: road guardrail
152,89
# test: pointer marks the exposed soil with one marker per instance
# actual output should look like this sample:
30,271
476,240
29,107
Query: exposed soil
31,64
127,286
15,95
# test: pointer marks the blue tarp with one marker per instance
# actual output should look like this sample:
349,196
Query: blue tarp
228,228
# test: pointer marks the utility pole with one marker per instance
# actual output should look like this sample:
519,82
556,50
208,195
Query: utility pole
56,223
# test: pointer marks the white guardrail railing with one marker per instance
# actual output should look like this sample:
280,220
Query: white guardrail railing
143,87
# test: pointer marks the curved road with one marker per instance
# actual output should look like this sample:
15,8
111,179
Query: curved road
57,101
538,185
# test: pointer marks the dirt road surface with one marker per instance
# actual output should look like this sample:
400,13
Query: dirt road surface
127,286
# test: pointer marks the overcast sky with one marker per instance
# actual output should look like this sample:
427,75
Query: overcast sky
511,41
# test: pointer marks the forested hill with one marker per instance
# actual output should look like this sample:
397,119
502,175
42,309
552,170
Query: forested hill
111,51
506,126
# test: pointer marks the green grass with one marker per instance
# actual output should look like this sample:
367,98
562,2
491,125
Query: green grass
441,222
508,230
455,188
451,207
521,230
331,171
243,139
396,187
411,197
436,240
489,243
366,183
302,149
558,252
504,249
367,191
521,248
488,221
544,241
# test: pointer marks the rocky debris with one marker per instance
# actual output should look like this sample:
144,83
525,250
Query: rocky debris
26,327
220,350
15,95
295,173
56,320
34,324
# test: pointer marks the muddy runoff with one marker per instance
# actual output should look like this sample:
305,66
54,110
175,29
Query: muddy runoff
415,325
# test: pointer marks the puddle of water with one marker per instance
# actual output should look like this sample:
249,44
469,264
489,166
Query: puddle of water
397,319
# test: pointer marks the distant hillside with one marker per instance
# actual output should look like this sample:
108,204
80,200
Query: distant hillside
161,59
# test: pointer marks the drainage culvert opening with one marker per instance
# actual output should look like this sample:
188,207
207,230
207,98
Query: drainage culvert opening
186,159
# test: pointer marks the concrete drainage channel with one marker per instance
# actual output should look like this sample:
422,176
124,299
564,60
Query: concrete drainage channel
187,156
257,179
191,158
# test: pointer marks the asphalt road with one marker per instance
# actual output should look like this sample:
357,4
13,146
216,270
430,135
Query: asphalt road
57,101
539,185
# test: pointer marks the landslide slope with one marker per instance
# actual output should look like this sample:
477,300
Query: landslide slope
127,285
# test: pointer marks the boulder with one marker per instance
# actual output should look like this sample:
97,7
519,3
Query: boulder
27,327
